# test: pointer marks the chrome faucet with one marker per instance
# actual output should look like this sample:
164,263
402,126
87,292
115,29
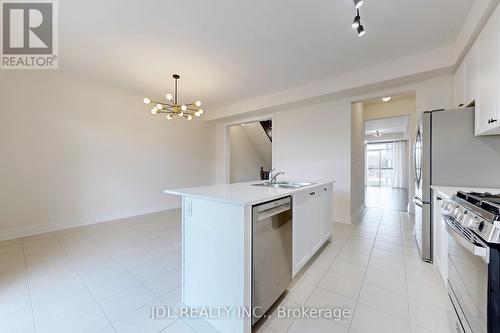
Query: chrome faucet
272,176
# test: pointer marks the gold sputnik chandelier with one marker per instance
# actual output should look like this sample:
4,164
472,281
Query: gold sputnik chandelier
173,108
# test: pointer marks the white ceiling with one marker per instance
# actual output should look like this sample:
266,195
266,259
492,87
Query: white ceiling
387,125
228,50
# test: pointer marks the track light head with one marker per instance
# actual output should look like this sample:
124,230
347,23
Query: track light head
358,3
361,31
357,21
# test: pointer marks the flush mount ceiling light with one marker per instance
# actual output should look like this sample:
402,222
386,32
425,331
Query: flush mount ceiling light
173,108
358,3
377,133
386,99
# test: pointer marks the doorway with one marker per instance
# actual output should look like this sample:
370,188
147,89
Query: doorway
250,150
387,163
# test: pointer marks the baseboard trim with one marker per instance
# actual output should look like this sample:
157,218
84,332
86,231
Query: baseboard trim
50,227
358,212
342,219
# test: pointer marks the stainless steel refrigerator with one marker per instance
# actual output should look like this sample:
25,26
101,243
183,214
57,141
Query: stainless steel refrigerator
447,153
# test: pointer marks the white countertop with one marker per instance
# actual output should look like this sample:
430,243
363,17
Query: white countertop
241,193
448,191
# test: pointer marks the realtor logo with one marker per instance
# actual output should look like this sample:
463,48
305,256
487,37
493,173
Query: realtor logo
29,34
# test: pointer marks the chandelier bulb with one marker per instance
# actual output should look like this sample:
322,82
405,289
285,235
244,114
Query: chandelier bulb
169,117
181,113
183,107
197,114
159,106
147,100
200,111
189,117
197,103
154,110
169,96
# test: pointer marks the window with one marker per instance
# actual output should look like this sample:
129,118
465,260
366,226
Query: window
379,163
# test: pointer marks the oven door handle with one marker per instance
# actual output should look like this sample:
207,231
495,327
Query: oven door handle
477,250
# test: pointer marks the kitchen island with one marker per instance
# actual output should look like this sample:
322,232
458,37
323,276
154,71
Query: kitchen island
217,243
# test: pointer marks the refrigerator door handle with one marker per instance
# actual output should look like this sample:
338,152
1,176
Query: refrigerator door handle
417,201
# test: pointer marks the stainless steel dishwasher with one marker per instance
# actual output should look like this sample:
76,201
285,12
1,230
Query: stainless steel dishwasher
271,253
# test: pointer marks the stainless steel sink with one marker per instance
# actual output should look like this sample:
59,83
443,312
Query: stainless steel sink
289,184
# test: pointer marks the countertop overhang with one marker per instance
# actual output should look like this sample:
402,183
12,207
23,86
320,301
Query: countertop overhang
242,194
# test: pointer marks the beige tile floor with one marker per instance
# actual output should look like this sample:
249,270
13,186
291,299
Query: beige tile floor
105,278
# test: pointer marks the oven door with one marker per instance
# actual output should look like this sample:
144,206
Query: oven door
468,259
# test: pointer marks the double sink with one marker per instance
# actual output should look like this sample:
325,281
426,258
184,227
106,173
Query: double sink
285,184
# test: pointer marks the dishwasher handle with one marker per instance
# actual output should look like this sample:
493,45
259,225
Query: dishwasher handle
273,211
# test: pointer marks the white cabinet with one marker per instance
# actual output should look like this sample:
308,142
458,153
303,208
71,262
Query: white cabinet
470,75
466,81
440,239
487,53
460,86
487,100
300,236
327,211
478,78
311,211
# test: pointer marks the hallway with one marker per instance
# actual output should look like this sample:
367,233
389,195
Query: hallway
386,198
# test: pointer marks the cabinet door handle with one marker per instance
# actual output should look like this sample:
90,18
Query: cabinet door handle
460,105
325,189
312,193
439,198
491,121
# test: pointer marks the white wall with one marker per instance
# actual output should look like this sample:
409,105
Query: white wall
75,151
245,156
357,159
261,142
314,141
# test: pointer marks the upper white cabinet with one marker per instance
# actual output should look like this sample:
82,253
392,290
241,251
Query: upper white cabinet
466,79
478,78
460,86
470,70
488,76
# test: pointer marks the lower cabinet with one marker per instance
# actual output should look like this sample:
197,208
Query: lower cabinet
440,239
312,223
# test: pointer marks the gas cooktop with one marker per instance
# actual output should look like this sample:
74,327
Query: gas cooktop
487,201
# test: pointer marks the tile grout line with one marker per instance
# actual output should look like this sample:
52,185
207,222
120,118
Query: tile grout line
28,284
316,285
406,278
84,282
366,271
137,279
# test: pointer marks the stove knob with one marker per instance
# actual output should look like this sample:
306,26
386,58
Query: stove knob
475,223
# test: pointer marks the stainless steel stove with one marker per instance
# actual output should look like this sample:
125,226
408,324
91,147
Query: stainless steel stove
473,225
479,212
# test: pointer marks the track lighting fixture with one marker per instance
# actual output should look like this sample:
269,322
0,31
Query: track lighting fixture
358,3
361,31
357,21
